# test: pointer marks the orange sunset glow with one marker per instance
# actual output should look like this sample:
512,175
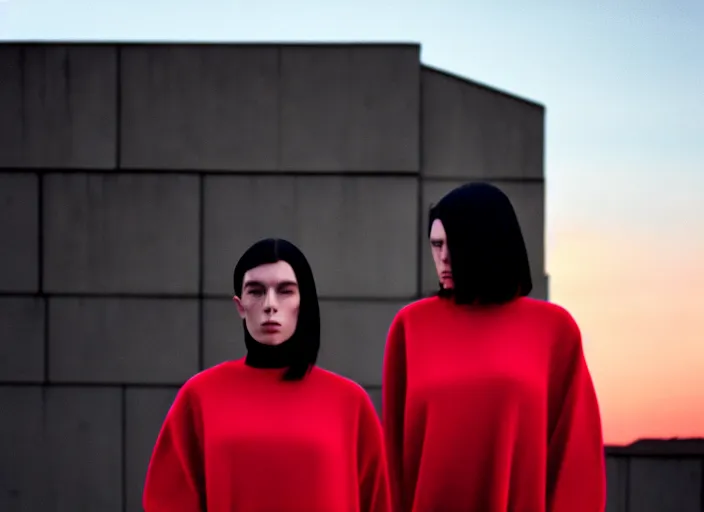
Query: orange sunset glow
639,302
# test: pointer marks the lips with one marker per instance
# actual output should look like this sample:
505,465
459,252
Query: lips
271,327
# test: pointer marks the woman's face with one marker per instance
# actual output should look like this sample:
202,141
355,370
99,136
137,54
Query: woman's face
270,302
441,254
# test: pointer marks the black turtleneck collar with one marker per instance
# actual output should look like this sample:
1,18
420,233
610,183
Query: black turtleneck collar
260,355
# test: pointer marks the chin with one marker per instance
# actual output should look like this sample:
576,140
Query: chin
271,339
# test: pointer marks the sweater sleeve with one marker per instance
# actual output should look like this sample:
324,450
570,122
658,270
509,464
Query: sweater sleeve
175,476
393,406
576,474
374,493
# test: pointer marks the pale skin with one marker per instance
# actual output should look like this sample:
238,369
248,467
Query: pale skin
441,254
270,302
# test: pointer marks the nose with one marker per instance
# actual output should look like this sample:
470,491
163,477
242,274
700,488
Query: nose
270,303
445,254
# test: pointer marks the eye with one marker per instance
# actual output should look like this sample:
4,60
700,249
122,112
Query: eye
286,291
254,292
436,243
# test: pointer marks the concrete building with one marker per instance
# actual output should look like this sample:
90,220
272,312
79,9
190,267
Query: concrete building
134,175
656,476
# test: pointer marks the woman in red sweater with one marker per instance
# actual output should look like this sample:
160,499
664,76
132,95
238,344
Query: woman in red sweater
270,432
488,404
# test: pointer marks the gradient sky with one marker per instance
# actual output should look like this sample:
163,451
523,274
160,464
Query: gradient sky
624,90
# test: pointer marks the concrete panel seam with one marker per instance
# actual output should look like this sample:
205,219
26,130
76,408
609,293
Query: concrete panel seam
421,213
86,385
40,232
701,484
544,148
47,345
282,44
118,295
21,295
201,269
40,270
275,173
336,45
123,440
627,484
118,108
12,383
279,95
502,180
20,384
419,239
182,296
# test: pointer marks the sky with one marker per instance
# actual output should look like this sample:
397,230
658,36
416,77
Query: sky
623,87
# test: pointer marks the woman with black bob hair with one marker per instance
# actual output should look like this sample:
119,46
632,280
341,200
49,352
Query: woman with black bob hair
482,231
488,403
271,431
299,352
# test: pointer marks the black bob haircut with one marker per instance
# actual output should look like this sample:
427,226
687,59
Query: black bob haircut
305,341
487,251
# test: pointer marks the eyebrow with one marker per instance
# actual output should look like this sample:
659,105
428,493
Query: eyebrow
254,284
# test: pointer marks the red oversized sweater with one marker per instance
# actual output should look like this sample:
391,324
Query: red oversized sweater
491,409
239,439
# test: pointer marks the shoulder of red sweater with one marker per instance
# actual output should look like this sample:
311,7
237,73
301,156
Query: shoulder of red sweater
548,310
554,311
418,307
567,332
344,384
206,377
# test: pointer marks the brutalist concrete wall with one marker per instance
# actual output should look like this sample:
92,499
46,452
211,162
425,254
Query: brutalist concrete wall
133,176
655,483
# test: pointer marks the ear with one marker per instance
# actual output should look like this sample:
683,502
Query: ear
240,307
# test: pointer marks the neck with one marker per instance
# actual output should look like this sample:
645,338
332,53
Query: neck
260,355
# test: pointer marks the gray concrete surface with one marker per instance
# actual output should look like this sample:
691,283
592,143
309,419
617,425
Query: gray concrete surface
270,108
123,340
120,233
617,488
662,483
351,108
19,232
669,484
22,339
145,409
132,177
61,449
59,106
473,131
203,108
359,233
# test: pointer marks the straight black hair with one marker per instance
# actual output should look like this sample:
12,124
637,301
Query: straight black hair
487,250
305,341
